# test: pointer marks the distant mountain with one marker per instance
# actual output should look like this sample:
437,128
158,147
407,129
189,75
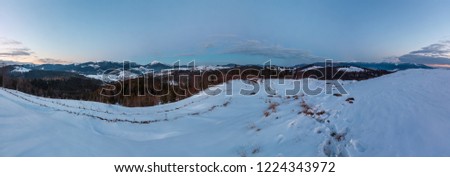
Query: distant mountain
392,66
8,63
375,66
113,71
157,66
94,68
84,68
98,70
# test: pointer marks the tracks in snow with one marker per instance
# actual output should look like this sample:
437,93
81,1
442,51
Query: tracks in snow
97,114
336,143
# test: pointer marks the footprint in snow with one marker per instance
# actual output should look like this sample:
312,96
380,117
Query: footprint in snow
280,138
358,146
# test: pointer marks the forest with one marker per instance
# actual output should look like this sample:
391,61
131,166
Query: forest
150,90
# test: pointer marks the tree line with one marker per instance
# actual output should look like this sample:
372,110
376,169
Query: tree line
151,89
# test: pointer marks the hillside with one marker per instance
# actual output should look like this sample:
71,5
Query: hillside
399,114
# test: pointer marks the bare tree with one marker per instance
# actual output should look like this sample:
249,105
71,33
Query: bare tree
4,74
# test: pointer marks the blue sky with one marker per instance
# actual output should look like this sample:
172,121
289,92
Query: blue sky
220,32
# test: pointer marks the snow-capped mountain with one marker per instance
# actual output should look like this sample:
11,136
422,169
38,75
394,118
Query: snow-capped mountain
399,114
351,69
155,62
20,69
108,69
388,66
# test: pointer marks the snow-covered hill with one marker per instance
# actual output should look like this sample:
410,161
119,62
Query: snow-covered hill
401,114
20,69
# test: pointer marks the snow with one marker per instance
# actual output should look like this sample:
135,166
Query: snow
169,71
196,68
209,67
19,69
95,76
94,66
351,69
401,114
143,70
113,77
312,67
154,62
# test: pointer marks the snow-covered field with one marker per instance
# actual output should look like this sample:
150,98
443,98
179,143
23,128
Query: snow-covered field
401,114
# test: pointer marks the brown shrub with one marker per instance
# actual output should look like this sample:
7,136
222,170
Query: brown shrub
320,113
273,107
308,112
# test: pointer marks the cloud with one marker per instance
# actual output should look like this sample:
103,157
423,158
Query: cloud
391,59
5,41
233,44
438,53
255,47
50,61
15,52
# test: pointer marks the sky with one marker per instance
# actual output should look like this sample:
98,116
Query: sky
287,32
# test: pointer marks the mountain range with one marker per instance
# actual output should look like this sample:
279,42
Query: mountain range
96,69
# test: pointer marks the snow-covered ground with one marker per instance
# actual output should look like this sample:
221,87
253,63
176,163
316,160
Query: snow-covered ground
401,114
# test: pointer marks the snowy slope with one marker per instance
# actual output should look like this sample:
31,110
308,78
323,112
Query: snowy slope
19,69
402,114
351,69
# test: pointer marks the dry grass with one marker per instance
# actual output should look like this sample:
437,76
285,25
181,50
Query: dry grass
266,113
273,107
320,113
306,109
309,111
